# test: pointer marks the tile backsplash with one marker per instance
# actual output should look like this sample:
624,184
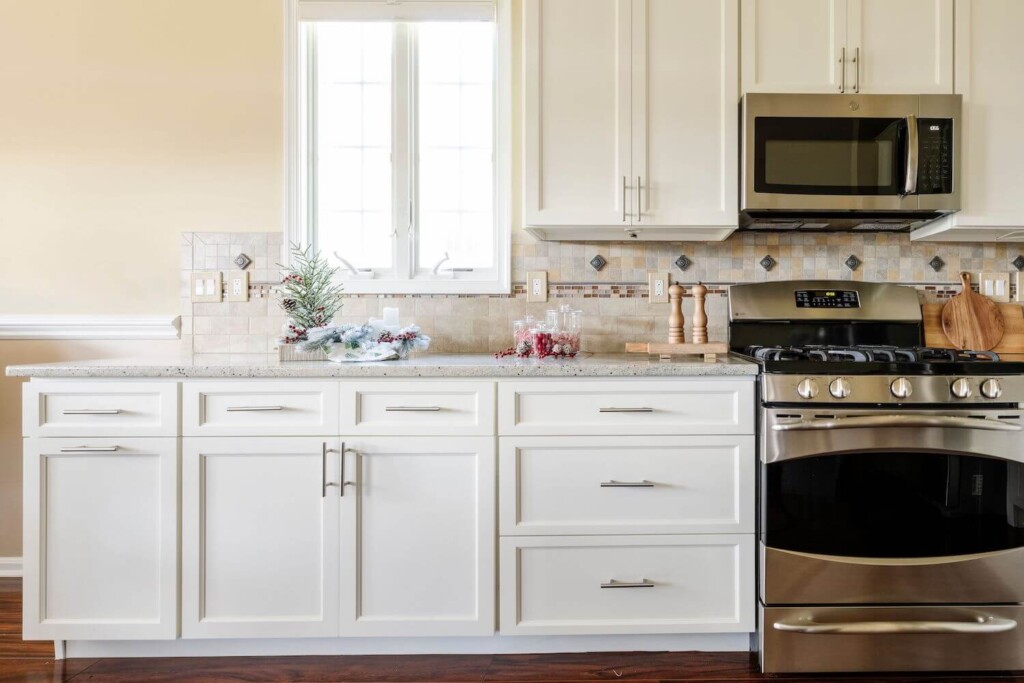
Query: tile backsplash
614,300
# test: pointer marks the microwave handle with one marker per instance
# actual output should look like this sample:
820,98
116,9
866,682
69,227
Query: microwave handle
910,183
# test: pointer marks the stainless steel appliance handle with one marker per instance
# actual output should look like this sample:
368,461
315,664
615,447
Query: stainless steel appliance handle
642,583
842,70
92,411
412,409
90,449
612,484
986,624
253,409
861,421
910,183
626,410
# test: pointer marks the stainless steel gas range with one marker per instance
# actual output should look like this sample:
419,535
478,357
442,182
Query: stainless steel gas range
891,523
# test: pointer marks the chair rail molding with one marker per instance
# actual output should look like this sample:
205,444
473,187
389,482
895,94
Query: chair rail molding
90,327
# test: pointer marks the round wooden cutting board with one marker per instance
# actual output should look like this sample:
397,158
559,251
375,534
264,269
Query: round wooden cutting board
972,322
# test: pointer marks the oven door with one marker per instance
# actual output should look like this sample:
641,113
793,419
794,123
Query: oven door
869,507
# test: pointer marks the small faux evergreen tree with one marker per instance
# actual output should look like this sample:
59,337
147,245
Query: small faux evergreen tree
310,296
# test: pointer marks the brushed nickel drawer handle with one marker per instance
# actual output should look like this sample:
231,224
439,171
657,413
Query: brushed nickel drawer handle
642,583
92,411
90,449
983,624
627,410
612,484
412,409
253,409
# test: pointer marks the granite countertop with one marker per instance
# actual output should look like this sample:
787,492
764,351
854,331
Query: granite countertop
427,365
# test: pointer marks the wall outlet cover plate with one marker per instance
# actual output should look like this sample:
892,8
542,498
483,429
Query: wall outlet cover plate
658,284
206,286
238,285
537,286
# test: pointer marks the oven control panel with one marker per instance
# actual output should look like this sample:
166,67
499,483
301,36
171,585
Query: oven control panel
827,298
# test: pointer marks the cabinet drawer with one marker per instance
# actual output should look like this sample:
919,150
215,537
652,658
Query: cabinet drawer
621,585
259,408
627,407
100,409
627,485
389,407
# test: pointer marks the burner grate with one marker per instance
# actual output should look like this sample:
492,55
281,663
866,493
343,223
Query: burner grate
868,353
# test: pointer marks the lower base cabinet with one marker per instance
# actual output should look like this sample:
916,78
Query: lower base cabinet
560,585
101,538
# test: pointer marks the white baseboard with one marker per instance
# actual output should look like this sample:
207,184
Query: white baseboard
10,567
90,327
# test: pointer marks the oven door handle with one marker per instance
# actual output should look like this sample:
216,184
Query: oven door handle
983,624
861,421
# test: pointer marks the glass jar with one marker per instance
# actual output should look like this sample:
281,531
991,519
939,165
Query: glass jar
522,335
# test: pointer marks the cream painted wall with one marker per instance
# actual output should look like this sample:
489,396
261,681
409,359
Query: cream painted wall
122,124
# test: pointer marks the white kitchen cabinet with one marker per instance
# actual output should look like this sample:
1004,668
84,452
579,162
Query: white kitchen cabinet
851,46
101,538
418,536
260,537
630,120
989,52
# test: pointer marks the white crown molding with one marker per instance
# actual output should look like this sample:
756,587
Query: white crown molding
90,327
10,567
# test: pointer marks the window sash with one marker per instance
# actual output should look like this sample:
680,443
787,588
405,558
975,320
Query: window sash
401,11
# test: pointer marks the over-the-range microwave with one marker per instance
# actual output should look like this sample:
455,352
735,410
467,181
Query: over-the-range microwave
848,162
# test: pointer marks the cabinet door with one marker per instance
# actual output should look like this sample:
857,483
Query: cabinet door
900,47
418,537
794,45
685,90
577,112
101,539
259,537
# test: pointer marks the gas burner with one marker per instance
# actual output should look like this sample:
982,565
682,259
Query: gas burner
868,353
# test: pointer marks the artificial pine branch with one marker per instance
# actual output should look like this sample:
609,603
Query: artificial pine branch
310,296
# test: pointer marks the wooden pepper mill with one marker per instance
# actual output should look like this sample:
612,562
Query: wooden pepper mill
676,321
700,317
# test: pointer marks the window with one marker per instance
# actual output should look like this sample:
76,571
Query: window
399,158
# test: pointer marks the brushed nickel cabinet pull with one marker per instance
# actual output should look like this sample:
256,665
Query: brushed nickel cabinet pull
639,197
642,583
627,410
253,409
412,409
323,460
92,411
90,449
612,484
842,70
623,199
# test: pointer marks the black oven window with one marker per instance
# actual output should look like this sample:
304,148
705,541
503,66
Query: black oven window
829,156
894,505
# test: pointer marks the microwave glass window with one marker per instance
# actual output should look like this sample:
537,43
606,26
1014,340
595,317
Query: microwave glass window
829,156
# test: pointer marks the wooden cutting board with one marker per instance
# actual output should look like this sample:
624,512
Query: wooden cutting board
1013,333
971,321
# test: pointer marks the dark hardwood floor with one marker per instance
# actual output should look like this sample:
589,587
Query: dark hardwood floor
33,661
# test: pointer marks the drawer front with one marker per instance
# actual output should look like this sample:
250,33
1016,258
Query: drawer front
87,408
676,406
252,408
627,485
390,407
623,585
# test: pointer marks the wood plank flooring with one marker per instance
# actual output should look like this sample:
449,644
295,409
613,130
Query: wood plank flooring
23,661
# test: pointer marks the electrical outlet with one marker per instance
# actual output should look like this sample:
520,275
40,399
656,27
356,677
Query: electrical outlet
206,286
537,286
657,292
238,285
995,286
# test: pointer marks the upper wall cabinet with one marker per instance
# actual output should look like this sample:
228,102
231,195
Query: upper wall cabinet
851,46
630,118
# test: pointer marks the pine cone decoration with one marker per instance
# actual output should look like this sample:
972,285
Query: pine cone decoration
289,304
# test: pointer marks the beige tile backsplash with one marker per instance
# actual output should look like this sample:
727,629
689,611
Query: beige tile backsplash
614,300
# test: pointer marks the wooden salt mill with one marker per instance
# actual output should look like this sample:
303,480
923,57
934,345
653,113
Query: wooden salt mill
700,317
676,321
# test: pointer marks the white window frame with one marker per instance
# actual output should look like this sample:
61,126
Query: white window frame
406,277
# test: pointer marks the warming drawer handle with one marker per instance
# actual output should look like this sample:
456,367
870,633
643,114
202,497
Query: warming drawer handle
412,409
642,583
90,449
860,421
253,409
612,484
627,410
983,624
92,411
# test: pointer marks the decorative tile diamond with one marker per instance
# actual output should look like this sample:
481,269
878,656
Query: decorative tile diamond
768,262
1018,262
598,262
853,263
683,262
937,264
242,261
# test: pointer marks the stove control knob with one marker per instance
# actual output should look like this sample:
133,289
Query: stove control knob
991,388
961,388
901,388
807,389
839,388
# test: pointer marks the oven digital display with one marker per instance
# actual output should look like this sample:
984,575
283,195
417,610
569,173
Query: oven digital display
827,298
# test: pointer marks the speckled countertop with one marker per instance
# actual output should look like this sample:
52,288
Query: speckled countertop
428,365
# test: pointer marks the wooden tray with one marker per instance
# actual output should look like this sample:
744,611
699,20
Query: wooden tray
1013,322
709,351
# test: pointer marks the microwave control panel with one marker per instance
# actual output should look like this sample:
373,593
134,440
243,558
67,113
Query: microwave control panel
935,156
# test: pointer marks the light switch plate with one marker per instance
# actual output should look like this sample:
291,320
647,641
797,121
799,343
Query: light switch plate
658,284
238,285
206,286
995,286
537,286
